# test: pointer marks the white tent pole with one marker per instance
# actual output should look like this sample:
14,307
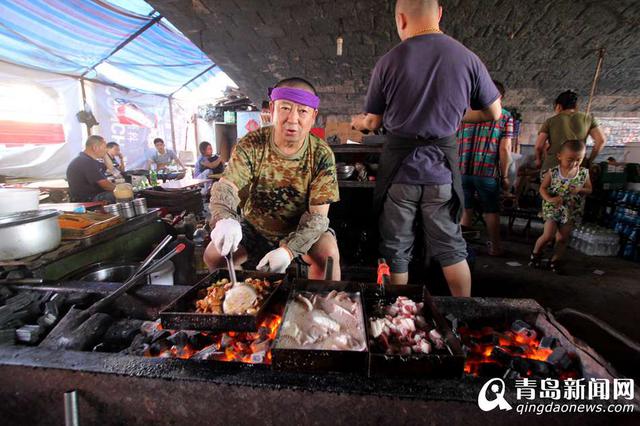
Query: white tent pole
173,128
84,103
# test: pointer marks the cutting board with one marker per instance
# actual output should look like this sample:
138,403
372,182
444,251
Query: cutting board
76,226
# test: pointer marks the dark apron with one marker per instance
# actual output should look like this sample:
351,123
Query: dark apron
395,149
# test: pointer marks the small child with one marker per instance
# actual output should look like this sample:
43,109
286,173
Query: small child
563,191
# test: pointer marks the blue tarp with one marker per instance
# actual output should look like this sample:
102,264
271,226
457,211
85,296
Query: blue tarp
75,37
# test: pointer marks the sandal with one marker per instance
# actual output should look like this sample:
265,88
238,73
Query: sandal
492,251
555,266
535,260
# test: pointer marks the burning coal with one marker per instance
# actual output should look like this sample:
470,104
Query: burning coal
250,348
515,353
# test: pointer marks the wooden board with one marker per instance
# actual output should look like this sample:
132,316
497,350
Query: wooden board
76,226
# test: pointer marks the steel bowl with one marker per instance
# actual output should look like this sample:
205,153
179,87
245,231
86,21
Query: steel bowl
344,171
29,233
114,273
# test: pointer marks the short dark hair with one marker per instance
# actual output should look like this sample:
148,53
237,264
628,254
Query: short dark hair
500,87
265,104
203,146
295,82
567,99
112,145
573,145
157,141
93,140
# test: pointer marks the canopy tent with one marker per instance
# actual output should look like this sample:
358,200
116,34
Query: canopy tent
128,59
102,41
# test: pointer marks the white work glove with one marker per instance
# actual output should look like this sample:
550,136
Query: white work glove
275,261
226,236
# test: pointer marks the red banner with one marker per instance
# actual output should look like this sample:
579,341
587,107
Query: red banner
21,133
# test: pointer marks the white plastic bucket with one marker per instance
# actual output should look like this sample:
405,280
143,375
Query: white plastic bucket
163,276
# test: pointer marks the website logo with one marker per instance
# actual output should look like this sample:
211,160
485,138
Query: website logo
495,387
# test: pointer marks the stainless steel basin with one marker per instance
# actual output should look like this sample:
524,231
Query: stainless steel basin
104,272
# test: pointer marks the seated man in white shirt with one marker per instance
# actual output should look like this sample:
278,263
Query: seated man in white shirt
163,157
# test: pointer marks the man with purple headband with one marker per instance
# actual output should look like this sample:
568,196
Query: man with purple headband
284,179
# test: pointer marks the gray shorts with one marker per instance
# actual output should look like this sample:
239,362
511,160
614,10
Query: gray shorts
442,234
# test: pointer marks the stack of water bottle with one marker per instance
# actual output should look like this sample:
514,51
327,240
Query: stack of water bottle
627,199
595,240
625,221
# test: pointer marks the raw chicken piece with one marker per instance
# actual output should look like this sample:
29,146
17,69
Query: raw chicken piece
330,322
305,301
377,327
436,338
422,347
323,320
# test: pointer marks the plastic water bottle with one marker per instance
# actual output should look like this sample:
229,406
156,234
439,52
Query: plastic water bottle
590,246
573,238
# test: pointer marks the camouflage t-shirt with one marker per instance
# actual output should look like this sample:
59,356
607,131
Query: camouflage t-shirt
276,189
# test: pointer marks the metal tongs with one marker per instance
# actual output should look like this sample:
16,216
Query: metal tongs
232,270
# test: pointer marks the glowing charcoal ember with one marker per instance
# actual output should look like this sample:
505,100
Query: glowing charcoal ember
515,353
549,342
251,348
524,330
560,358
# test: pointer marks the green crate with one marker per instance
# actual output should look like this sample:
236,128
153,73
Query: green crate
633,172
612,174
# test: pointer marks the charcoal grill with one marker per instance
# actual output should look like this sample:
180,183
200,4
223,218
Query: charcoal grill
181,314
501,313
127,389
446,363
311,360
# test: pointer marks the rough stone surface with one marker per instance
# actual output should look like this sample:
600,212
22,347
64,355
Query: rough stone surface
537,47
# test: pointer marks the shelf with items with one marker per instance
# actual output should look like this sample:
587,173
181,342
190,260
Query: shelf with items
353,154
357,148
356,184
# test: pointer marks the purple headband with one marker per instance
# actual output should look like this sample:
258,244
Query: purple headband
295,95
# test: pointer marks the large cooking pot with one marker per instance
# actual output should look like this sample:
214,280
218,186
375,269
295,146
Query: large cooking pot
14,200
28,233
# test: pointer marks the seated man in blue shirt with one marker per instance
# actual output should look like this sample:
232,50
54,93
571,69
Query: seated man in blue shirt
86,175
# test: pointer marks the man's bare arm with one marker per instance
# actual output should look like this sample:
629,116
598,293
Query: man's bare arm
490,113
540,148
599,140
106,185
367,121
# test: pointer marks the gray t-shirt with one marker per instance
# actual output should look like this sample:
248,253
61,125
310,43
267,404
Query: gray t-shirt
164,158
423,87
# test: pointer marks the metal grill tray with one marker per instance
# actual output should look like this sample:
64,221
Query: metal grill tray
445,363
313,360
181,313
